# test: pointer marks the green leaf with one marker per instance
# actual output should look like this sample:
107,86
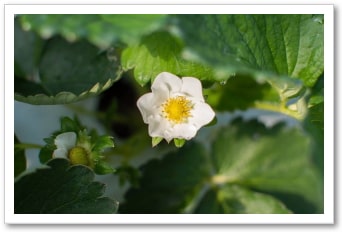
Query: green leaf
160,52
68,72
27,50
236,199
289,45
19,158
284,51
61,188
101,30
314,122
275,160
248,169
316,116
129,28
314,125
227,96
73,67
168,185
127,173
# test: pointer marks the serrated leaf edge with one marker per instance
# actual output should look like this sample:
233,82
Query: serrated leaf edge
64,97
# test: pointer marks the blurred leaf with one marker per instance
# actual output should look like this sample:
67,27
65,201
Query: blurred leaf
314,122
283,44
227,96
74,67
317,95
61,189
24,87
316,116
160,52
129,28
27,51
101,30
68,72
277,159
168,185
19,158
129,174
237,199
249,169
103,168
314,125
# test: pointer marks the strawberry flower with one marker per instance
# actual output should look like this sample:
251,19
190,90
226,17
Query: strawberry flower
175,109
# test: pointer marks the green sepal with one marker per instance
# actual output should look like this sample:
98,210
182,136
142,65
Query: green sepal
179,142
156,141
103,168
45,154
70,125
103,142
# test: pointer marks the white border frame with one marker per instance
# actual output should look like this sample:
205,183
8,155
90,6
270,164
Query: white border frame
326,218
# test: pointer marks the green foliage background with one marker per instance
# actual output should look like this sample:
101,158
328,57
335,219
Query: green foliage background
266,63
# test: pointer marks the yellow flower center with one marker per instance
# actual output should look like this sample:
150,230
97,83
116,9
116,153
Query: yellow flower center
177,109
78,155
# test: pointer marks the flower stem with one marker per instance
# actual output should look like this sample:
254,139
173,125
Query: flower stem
27,146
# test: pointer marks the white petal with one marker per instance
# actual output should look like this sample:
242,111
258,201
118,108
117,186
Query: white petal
182,131
157,126
166,84
148,105
60,153
202,114
66,140
160,127
192,87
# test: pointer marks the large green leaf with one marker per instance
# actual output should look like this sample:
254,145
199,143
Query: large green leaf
160,52
169,185
68,72
248,169
19,158
27,52
61,188
277,160
101,30
237,199
289,45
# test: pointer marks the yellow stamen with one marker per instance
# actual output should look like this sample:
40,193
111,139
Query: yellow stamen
177,109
